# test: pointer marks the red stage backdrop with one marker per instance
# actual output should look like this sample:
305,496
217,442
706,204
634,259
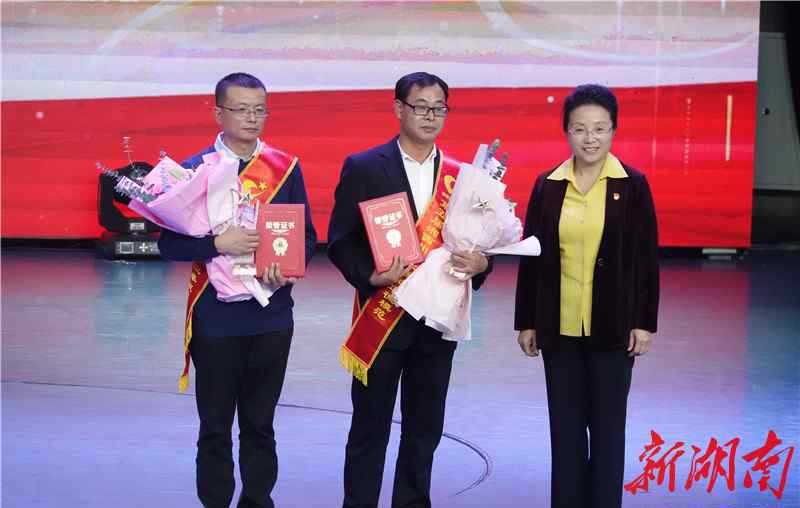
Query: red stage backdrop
79,77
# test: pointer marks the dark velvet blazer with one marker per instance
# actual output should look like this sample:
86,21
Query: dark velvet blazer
626,279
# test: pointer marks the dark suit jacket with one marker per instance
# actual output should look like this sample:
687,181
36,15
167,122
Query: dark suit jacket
367,175
625,292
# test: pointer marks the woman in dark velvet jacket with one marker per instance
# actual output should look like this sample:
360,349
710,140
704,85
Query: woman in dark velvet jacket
590,301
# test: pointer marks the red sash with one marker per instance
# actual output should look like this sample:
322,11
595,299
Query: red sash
262,179
374,322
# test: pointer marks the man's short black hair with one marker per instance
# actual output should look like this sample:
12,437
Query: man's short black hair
422,80
591,94
236,79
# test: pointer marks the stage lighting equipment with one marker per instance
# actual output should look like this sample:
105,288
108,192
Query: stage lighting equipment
126,235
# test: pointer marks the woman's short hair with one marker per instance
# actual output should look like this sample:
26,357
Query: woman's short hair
422,80
598,95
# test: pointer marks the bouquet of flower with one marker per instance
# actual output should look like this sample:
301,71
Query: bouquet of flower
197,202
229,205
171,196
479,219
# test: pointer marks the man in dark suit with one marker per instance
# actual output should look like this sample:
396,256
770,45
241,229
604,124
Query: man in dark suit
408,163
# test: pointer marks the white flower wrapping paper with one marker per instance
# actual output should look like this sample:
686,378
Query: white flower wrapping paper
479,219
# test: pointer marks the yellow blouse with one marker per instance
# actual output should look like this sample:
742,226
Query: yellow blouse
580,229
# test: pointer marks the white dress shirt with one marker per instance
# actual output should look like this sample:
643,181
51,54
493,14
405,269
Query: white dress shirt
220,146
420,178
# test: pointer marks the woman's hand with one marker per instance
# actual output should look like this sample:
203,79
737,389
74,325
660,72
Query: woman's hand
527,342
639,342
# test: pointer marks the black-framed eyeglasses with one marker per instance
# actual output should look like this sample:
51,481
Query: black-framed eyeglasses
258,111
419,110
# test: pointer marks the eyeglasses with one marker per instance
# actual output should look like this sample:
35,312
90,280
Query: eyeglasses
258,111
438,111
582,132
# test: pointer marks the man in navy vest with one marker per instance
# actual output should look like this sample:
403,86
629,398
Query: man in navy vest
239,349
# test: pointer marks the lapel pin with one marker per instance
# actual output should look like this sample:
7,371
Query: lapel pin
616,196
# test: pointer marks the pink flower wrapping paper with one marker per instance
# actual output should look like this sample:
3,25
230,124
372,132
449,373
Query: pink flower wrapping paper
197,203
479,219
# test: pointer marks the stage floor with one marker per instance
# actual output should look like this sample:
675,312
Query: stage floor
91,415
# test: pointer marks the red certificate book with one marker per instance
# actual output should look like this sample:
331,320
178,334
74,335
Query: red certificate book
282,229
391,230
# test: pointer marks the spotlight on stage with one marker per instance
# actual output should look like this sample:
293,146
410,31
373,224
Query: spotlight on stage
127,234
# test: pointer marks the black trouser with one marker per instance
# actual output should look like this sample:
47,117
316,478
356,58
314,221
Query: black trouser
245,374
586,389
424,361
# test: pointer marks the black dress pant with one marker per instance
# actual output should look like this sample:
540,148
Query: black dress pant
419,356
587,389
244,375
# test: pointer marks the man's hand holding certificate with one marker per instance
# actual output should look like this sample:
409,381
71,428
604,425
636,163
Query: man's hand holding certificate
389,276
391,231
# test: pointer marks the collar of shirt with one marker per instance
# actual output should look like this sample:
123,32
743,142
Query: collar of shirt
220,146
407,158
612,168
420,178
